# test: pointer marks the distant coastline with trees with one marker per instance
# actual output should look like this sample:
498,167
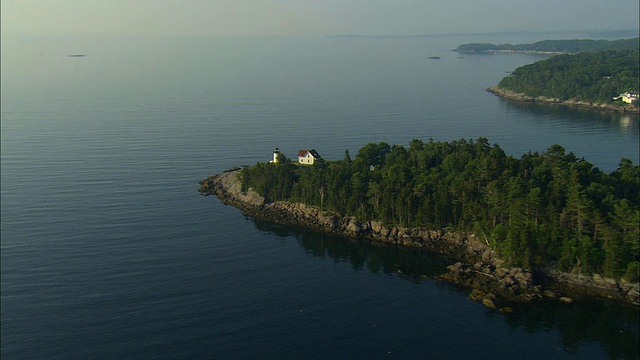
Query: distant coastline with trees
550,46
588,77
548,212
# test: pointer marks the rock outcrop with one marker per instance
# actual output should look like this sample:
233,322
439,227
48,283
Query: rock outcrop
478,268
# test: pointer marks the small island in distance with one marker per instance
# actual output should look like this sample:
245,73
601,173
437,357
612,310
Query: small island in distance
543,225
550,46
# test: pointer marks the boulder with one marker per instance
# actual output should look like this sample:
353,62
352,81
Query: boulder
354,226
407,241
524,278
566,300
490,296
500,272
455,267
377,227
487,255
598,278
477,295
508,280
488,303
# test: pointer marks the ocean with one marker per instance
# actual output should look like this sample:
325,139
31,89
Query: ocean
109,251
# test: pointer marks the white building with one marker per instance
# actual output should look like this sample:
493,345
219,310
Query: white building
308,157
627,97
276,152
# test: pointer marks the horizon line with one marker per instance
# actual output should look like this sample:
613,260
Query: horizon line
382,36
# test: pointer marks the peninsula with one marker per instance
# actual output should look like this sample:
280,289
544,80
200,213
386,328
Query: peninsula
604,80
546,225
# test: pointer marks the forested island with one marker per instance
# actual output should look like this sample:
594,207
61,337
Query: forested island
551,46
589,79
550,212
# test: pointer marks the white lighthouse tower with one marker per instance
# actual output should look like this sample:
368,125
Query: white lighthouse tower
276,152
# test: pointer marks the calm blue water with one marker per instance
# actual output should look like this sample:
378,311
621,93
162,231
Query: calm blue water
108,251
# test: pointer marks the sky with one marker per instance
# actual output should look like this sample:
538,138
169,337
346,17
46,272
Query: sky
311,17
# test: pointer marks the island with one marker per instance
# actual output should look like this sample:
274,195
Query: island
550,46
603,80
547,225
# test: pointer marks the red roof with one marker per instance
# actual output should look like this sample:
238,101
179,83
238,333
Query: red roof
313,152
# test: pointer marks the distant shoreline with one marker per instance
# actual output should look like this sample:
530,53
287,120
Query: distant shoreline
532,52
551,47
521,97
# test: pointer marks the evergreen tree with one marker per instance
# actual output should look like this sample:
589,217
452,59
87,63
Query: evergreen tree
539,210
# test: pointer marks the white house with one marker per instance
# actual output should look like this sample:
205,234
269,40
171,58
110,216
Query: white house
308,157
627,97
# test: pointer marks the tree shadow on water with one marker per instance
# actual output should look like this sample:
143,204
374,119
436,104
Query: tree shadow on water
613,325
363,254
575,115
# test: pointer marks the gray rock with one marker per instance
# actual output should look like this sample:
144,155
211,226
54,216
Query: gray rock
377,227
354,226
487,255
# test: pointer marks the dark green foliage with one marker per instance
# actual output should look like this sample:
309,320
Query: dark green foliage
273,181
593,77
568,46
549,209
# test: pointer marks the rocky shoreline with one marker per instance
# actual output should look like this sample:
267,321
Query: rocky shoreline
511,95
478,268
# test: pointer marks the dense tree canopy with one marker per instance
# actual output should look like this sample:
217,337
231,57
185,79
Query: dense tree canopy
549,209
595,77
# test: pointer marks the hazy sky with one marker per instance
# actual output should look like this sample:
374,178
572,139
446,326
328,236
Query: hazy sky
312,17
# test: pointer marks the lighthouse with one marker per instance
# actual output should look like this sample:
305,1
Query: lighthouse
276,152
